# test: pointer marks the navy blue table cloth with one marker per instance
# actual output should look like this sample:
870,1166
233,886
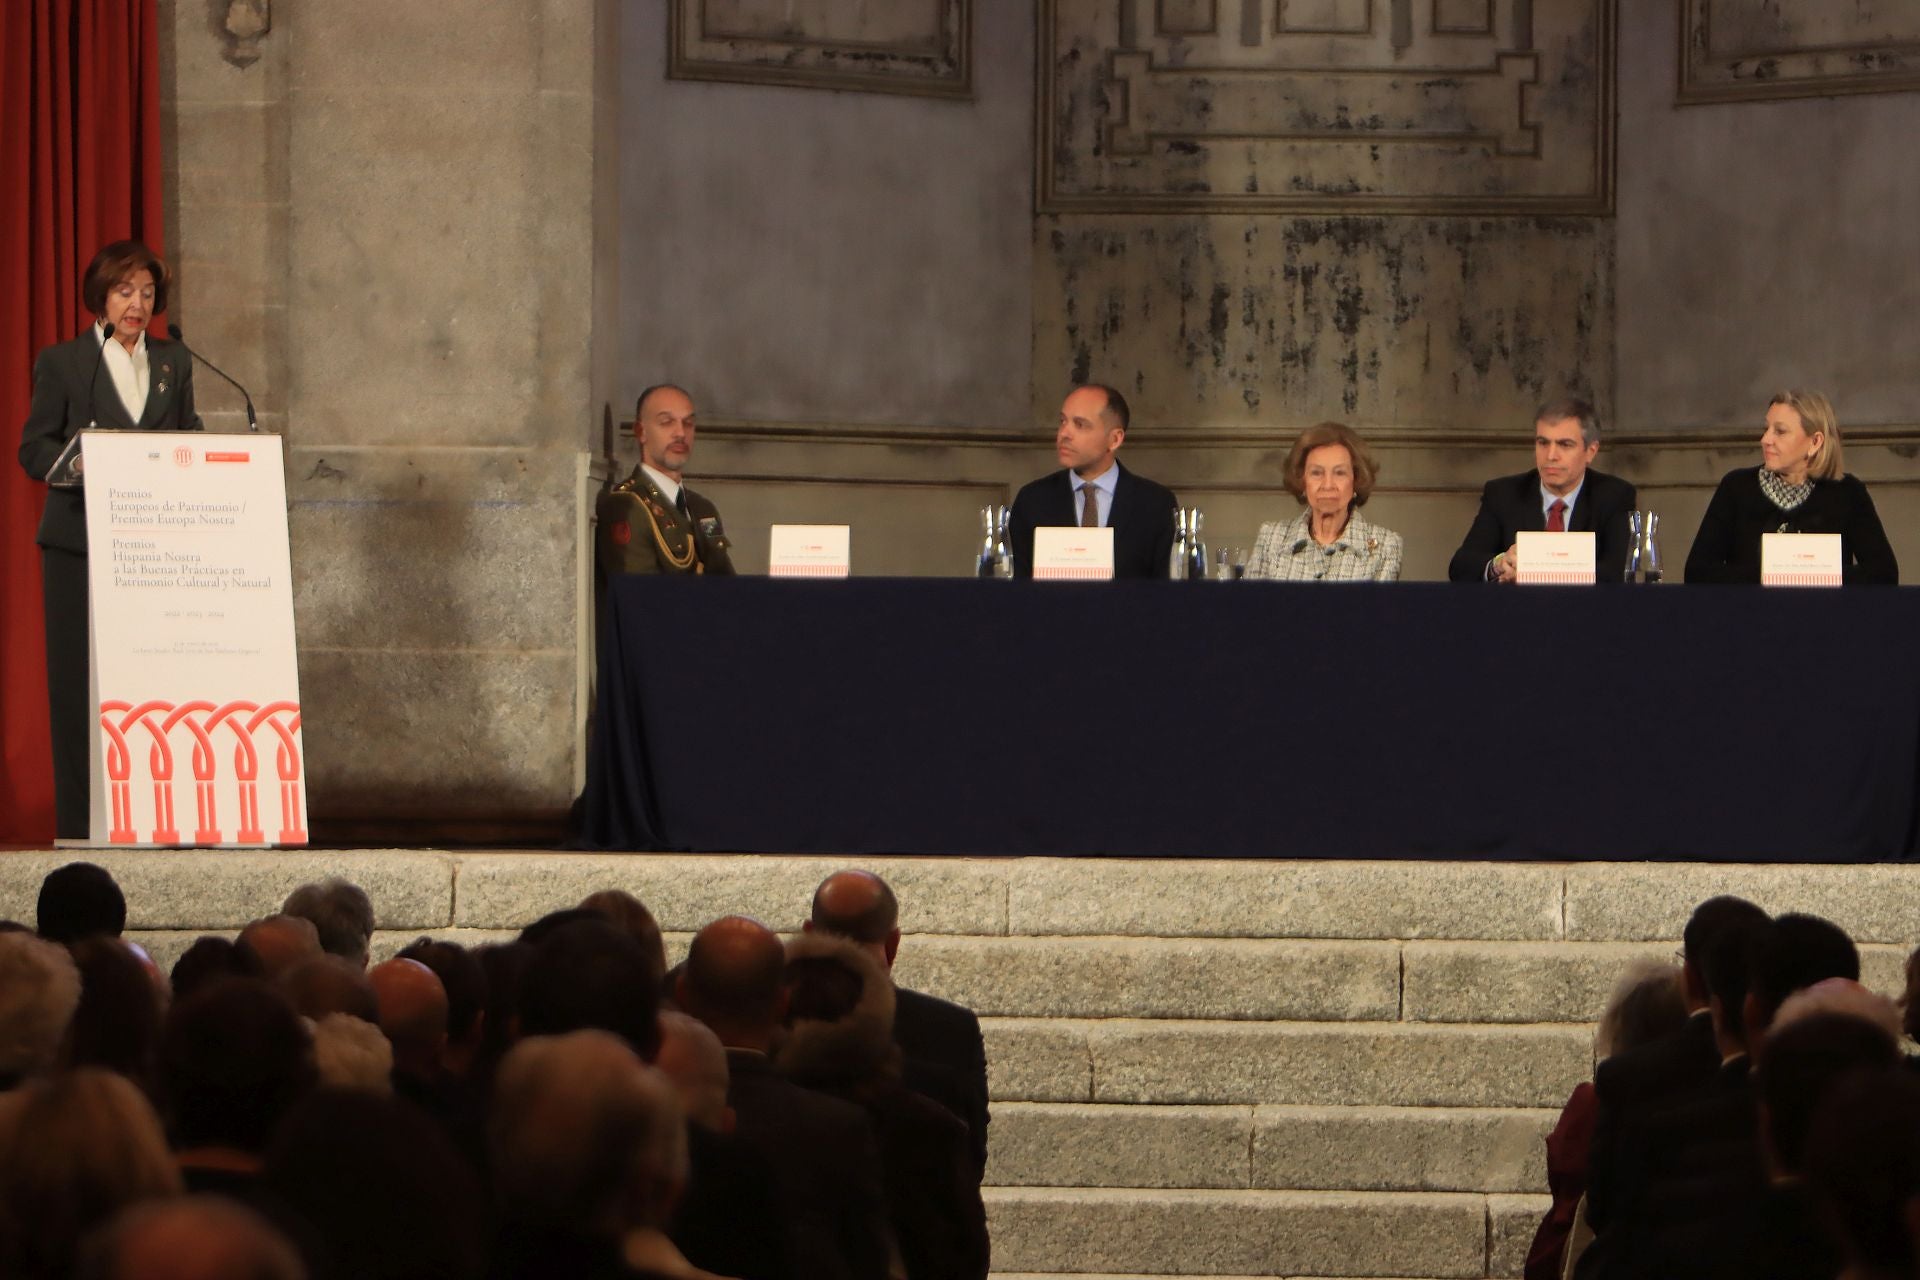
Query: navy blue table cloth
1238,720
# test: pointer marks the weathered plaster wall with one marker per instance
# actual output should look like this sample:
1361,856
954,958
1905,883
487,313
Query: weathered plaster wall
1258,217
1761,245
801,255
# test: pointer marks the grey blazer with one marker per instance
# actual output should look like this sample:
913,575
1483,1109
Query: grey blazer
60,377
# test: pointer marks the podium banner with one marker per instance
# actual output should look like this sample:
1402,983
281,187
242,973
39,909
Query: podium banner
195,679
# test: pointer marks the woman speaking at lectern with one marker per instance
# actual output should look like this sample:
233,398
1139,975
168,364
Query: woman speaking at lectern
113,376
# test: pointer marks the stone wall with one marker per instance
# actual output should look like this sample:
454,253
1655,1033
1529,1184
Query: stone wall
393,221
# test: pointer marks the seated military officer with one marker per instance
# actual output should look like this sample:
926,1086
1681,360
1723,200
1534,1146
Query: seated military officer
651,522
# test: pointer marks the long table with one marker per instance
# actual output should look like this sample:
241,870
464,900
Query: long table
947,716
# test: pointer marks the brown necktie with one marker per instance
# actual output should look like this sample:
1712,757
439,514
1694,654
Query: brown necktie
1557,517
1089,507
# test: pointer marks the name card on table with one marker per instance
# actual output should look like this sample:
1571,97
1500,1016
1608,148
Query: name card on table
1555,559
1073,553
1800,560
809,551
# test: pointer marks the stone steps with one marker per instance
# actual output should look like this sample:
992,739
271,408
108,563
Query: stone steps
1273,1148
1320,1233
1234,1069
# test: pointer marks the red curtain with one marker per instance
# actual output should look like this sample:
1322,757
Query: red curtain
79,167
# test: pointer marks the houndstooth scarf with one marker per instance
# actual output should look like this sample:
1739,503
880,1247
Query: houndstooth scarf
1781,494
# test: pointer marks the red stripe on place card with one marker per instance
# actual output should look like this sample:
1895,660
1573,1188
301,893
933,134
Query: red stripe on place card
229,457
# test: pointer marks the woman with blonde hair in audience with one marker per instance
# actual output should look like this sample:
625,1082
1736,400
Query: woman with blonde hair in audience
75,1149
1799,487
1330,472
1647,1003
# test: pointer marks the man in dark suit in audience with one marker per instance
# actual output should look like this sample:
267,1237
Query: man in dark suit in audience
1629,1083
945,1057
1562,494
1093,423
822,1150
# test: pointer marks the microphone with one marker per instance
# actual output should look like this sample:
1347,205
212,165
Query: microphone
253,423
106,336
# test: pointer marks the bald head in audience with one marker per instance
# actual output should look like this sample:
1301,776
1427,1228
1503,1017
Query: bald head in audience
859,906
196,1238
328,984
693,1058
280,942
734,980
413,1013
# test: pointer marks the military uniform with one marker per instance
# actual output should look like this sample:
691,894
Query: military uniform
640,531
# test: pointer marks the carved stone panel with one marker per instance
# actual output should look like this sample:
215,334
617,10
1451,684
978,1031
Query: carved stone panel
1739,50
901,46
1326,106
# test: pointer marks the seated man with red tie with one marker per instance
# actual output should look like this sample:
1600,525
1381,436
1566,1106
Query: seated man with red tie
1562,494
651,522
1092,490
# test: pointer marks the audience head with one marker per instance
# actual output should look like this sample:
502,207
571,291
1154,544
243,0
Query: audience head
734,980
75,1149
1863,1163
693,1058
589,974
1802,437
208,960
631,915
505,967
191,1238
381,1184
280,942
413,1014
586,1139
1798,1064
839,1013
1646,1004
80,900
328,984
860,906
350,1053
1839,995
1789,955
341,914
1726,970
1709,920
465,983
117,1023
234,1058
39,990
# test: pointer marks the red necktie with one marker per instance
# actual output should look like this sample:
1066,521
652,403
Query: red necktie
1556,517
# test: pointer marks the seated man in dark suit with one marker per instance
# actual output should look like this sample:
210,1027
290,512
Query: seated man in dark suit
1560,495
1093,423
945,1058
824,1156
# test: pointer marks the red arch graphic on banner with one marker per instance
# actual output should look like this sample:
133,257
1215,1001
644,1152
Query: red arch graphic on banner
202,720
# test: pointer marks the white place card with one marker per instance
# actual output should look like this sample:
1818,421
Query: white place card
1800,560
809,551
1073,553
1555,559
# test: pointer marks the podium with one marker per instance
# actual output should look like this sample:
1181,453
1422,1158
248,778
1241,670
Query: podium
195,682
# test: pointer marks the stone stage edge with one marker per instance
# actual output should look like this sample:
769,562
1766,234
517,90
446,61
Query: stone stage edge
1219,1068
